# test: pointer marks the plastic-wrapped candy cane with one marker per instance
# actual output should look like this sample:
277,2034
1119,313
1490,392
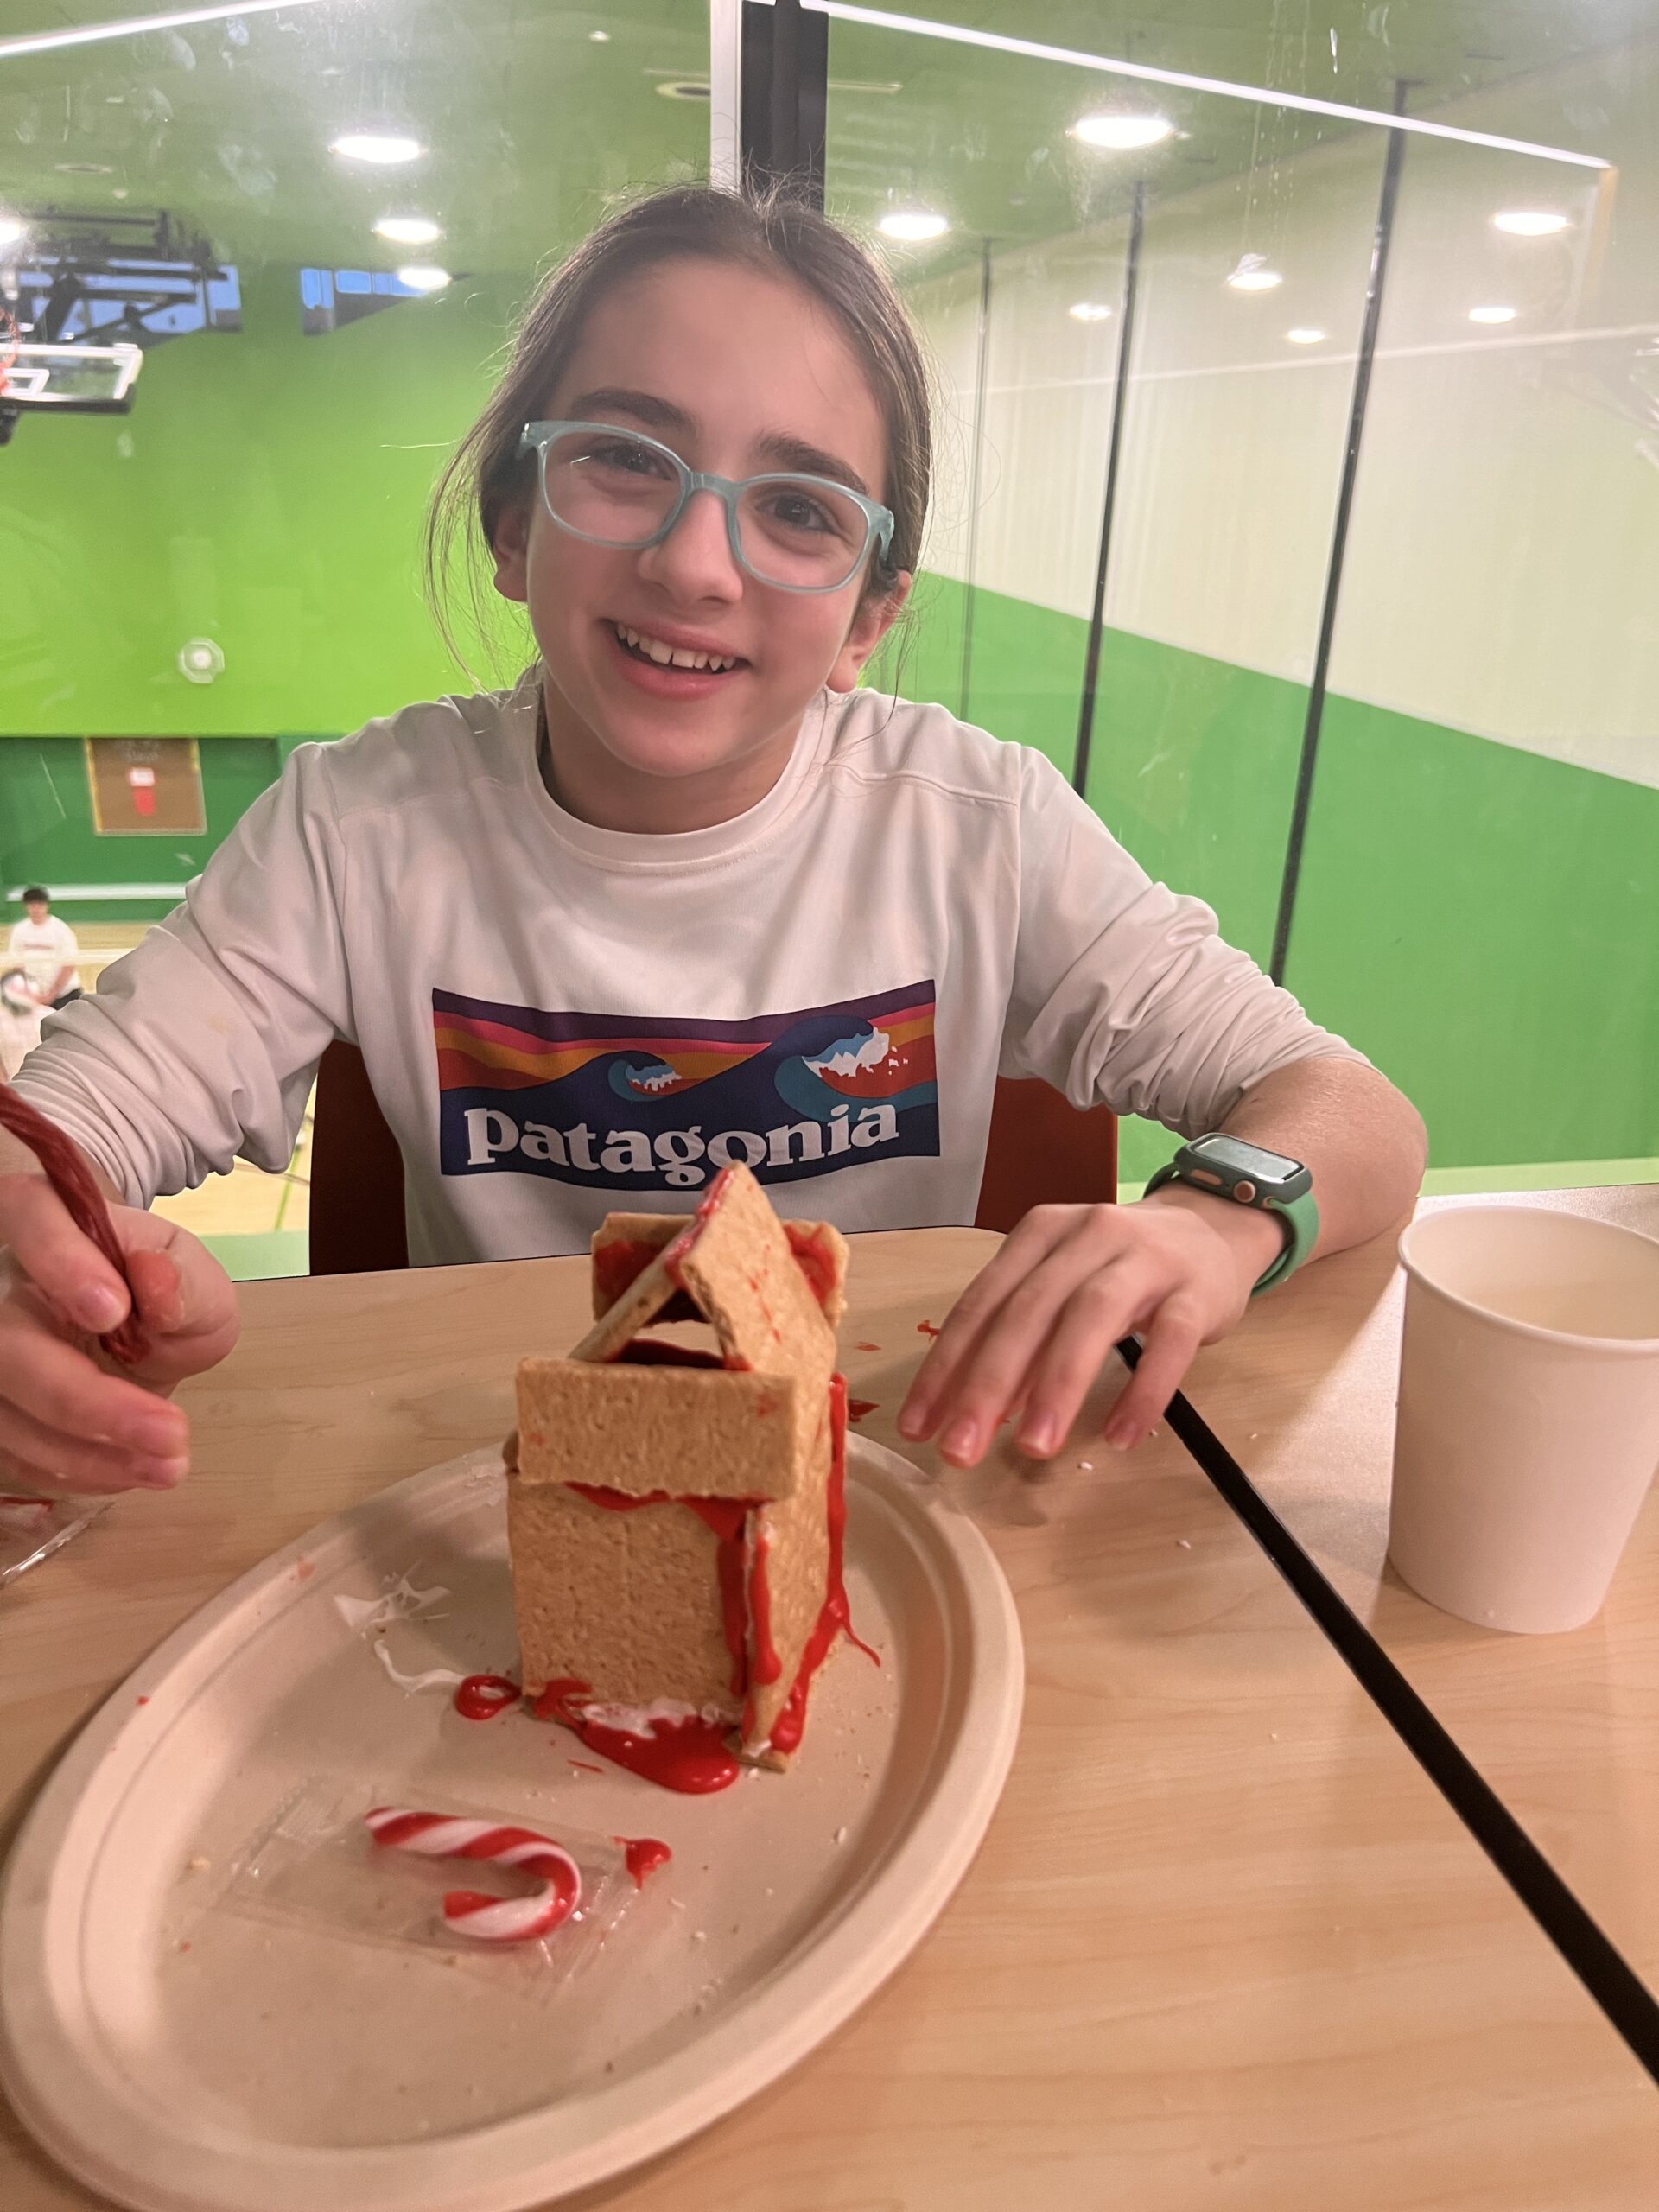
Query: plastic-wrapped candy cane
468,1912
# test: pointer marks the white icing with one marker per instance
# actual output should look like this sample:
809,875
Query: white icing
397,1604
434,1678
636,1720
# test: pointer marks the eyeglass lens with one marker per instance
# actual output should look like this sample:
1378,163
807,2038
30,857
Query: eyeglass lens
621,490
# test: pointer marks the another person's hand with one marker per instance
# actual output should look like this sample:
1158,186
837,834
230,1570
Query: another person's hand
1028,1337
66,1422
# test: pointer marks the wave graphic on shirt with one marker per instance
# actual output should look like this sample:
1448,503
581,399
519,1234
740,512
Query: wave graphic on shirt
891,1063
631,1103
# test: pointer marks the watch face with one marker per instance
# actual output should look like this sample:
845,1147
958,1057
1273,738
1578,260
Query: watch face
1235,1160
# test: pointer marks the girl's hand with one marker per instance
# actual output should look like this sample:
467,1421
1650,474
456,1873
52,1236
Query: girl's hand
1028,1339
67,1423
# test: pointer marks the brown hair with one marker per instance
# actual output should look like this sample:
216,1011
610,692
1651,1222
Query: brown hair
772,233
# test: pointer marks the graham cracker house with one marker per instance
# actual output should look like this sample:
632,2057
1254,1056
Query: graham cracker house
674,1514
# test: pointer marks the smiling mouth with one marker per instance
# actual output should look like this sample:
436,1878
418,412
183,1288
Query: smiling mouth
663,654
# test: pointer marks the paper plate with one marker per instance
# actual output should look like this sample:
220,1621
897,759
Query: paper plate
182,2056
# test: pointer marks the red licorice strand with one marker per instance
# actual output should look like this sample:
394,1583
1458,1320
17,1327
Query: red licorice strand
68,1173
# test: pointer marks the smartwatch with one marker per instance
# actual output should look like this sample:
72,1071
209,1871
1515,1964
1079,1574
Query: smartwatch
1228,1167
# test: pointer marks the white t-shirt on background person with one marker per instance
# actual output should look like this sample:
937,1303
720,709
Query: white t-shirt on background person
46,949
560,1020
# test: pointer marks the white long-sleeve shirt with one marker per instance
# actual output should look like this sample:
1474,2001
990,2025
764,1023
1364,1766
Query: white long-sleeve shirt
559,1019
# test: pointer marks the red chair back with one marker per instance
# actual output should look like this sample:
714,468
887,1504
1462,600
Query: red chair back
1041,1152
357,1174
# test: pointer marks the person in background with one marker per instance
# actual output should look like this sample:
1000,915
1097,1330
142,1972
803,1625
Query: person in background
47,950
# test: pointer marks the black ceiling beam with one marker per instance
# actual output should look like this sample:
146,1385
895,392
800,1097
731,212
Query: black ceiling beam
784,97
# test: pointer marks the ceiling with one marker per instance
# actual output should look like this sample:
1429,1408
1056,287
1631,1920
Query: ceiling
533,111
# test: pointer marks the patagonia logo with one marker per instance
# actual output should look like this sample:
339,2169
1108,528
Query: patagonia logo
627,1104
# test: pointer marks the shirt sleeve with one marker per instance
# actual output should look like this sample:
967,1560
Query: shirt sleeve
201,1044
1125,994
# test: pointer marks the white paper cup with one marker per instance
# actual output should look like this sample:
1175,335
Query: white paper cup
1529,1412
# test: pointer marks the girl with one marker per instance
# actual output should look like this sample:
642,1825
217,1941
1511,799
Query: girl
685,894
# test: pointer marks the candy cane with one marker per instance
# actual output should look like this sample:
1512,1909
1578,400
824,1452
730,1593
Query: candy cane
469,1912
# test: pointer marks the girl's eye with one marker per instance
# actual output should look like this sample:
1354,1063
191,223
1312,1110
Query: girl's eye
796,509
624,457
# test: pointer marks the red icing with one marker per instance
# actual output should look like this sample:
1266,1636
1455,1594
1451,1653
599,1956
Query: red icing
857,1407
690,1756
767,1666
643,1855
583,1766
787,1728
866,1347
925,1329
480,1697
812,1256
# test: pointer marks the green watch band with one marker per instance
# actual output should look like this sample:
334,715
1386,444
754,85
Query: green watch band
1228,1167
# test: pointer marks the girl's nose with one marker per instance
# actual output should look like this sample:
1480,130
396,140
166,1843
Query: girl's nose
695,560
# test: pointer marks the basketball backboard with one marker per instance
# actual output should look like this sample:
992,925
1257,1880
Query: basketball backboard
80,380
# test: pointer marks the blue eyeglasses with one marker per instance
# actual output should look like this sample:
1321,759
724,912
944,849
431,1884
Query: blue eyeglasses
617,487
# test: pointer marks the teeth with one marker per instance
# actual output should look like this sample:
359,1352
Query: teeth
667,656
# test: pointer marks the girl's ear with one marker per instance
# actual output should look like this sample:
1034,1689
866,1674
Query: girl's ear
512,548
875,617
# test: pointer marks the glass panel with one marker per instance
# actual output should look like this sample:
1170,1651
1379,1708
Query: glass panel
1230,444
1018,297
294,337
1479,904
262,500
1477,900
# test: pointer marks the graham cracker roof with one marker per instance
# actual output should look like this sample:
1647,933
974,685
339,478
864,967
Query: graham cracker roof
734,1262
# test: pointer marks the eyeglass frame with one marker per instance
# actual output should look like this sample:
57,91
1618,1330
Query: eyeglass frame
878,521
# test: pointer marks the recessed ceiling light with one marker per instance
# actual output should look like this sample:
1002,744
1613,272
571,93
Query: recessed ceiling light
1123,132
1305,334
11,230
408,230
1253,274
1089,311
599,38
913,224
421,277
1530,222
1492,315
683,88
383,148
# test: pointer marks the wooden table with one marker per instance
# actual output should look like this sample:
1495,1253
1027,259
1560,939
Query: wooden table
1565,1728
1224,1943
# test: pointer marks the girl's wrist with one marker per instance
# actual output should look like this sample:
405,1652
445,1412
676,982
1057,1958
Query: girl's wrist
1254,1238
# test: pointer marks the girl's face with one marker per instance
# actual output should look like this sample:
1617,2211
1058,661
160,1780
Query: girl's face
739,374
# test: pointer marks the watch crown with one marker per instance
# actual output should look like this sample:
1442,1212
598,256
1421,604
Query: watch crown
1245,1193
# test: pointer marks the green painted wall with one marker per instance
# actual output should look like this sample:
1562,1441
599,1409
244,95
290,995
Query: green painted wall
266,491
47,833
1478,920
